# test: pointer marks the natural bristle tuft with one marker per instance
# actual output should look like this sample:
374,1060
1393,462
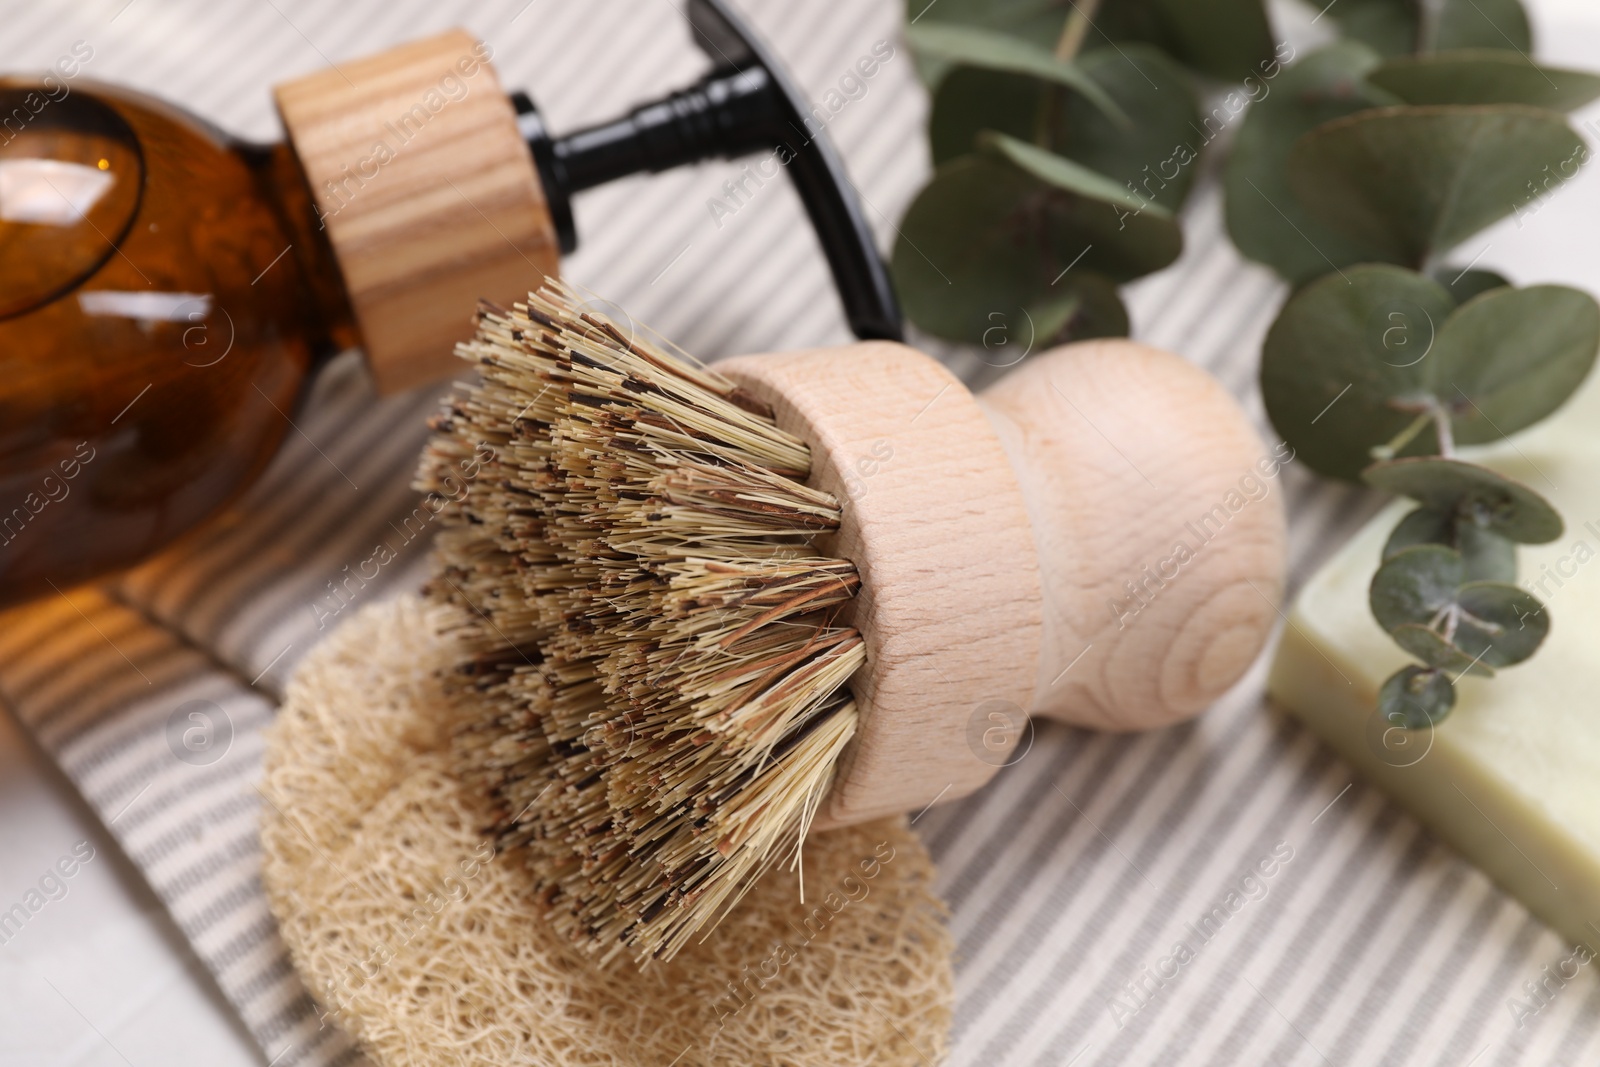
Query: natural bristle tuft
656,695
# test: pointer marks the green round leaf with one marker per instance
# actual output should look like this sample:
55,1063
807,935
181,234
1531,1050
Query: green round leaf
1387,26
1509,357
1480,24
972,46
1500,624
1091,307
1151,157
1412,587
1464,284
1412,181
1484,76
1436,652
1498,363
1079,307
1415,698
1037,21
1228,39
1264,218
1340,351
987,237
1156,156
1472,493
1064,173
971,99
1486,555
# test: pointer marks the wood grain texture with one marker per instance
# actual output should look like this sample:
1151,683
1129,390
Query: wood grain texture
935,523
1160,528
429,196
1017,550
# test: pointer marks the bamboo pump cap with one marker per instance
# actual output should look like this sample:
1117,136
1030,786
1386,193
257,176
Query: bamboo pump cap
427,192
437,189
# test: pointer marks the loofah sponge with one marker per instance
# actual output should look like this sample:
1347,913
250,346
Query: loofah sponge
427,945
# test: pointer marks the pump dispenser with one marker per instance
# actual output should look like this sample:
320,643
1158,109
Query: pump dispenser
167,292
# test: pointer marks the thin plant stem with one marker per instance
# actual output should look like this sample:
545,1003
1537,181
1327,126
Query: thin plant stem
1073,33
1076,29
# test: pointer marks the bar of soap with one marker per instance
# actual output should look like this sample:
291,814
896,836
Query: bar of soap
1512,777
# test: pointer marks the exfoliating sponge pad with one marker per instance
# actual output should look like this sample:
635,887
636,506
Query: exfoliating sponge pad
1511,777
415,936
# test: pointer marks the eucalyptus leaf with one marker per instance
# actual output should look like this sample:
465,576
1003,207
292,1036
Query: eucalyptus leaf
1387,26
972,99
1264,219
974,47
1479,24
1414,698
1065,174
1500,624
1486,555
1228,39
1399,27
1036,21
1157,155
1420,597
1411,181
1079,307
1046,319
1123,22
1339,353
1356,358
1415,586
1509,357
1464,284
1094,310
987,237
1152,156
1485,498
1484,76
1436,652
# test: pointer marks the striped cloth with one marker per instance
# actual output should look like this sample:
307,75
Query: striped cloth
1221,892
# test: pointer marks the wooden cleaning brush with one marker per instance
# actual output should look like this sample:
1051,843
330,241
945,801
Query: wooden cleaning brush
710,610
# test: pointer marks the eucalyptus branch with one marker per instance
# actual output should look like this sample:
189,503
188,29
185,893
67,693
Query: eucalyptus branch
1073,33
1049,138
1441,426
1077,27
1392,447
1428,410
1428,15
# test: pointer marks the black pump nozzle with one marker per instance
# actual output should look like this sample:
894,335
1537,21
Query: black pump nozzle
744,105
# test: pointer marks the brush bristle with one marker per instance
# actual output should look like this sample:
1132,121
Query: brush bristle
656,697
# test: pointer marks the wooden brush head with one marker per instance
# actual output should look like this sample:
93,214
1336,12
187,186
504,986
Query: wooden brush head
1094,539
704,610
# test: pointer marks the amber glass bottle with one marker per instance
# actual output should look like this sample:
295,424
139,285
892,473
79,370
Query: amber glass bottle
167,291
164,293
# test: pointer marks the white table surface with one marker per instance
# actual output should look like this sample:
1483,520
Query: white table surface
101,977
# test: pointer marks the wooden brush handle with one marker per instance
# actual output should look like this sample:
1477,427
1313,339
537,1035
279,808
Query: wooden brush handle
1159,525
1020,551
